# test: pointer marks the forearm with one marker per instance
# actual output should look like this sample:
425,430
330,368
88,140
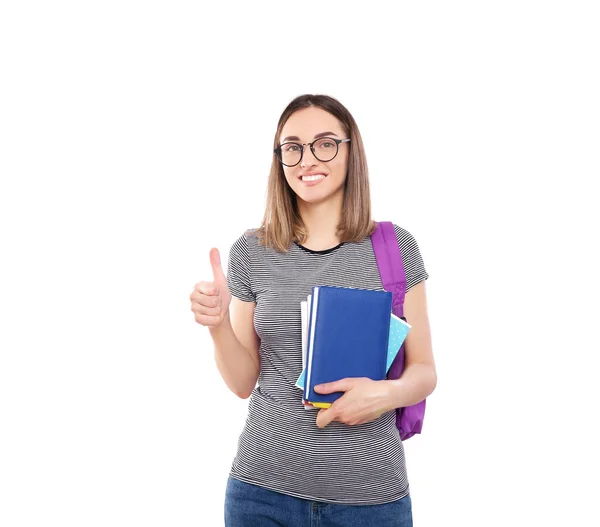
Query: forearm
235,363
415,384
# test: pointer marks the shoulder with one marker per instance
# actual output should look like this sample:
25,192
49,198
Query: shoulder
239,268
411,256
247,239
405,238
246,248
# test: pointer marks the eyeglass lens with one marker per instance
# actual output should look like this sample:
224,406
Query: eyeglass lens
324,150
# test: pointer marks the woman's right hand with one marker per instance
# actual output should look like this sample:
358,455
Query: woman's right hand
210,300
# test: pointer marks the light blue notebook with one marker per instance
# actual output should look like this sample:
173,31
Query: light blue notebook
398,331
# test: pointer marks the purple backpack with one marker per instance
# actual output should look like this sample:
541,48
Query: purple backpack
409,420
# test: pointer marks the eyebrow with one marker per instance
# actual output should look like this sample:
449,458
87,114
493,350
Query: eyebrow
317,136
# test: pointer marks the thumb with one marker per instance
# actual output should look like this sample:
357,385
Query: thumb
215,262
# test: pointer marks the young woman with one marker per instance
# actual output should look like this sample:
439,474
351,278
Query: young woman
344,465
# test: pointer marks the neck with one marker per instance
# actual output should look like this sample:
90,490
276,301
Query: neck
321,221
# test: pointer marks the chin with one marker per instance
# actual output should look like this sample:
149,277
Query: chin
315,195
315,199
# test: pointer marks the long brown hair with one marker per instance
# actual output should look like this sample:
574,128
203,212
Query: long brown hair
282,223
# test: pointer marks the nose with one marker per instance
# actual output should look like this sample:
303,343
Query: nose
308,158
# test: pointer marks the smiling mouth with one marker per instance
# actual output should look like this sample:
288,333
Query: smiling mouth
315,177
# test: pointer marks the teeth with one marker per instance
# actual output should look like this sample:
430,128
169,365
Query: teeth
312,178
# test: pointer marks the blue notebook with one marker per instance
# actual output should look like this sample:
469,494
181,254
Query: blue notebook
347,337
398,331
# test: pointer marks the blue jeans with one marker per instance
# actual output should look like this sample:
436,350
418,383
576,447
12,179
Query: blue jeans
253,506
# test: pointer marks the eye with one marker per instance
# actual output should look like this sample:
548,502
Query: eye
325,144
289,147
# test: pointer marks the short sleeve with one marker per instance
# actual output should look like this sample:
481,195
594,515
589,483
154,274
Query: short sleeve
414,267
239,271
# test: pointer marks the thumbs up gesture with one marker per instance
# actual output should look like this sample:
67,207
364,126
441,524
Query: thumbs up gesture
210,300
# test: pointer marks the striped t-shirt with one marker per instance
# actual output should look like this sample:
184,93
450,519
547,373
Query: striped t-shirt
280,447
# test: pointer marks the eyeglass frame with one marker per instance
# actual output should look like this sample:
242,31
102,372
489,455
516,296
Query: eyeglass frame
337,142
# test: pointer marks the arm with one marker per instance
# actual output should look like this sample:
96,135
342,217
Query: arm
236,347
419,377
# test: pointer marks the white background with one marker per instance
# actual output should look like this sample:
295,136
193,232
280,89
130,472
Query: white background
135,136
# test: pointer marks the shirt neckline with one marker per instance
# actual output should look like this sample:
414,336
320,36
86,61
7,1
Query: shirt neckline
324,251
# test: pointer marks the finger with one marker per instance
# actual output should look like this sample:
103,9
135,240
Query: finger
199,309
343,385
215,262
205,300
207,288
208,320
324,417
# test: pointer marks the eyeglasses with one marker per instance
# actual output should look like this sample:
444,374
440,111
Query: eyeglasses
324,149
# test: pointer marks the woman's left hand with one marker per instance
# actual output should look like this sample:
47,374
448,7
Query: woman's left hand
363,401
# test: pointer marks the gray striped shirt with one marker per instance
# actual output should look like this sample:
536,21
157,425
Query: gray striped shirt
281,448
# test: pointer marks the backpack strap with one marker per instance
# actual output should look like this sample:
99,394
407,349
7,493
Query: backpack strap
409,420
389,261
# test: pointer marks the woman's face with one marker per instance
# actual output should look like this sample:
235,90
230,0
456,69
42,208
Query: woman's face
312,180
